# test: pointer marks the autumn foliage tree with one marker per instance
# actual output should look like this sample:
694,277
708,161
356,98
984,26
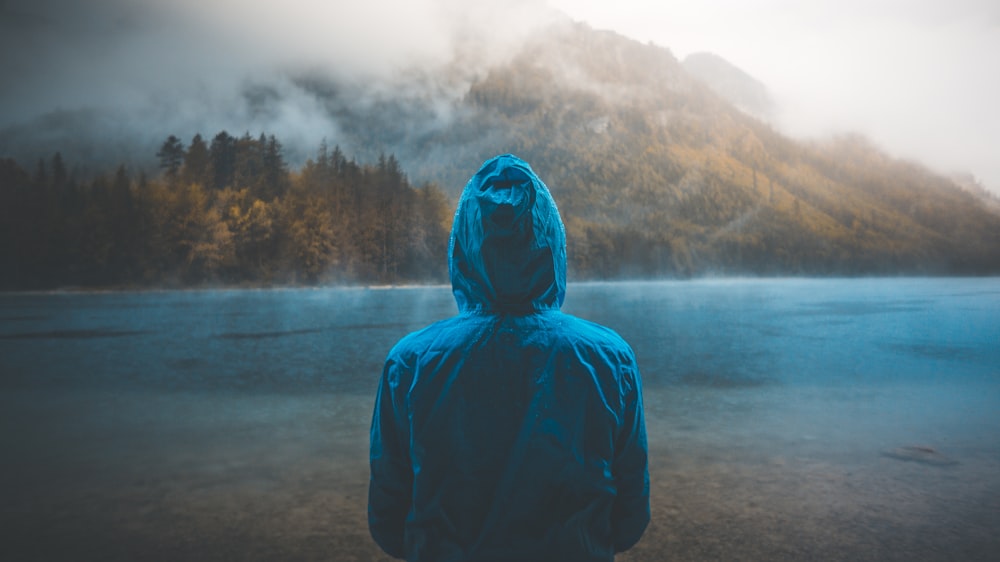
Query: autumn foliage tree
230,212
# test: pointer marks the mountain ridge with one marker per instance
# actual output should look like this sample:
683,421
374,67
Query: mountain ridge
732,83
657,174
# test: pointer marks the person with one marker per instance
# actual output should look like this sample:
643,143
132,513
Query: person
512,431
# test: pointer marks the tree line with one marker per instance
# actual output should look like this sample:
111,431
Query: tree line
228,211
654,177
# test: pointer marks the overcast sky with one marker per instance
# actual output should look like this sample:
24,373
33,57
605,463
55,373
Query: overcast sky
919,77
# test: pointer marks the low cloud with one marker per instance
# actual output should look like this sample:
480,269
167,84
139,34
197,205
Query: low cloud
149,68
915,76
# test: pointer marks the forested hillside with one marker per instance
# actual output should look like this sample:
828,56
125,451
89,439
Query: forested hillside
654,174
734,85
225,213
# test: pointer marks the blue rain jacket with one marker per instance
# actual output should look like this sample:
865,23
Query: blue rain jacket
512,431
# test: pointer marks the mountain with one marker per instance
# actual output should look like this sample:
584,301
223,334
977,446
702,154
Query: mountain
655,173
734,85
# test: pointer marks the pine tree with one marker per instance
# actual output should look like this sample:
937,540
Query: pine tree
41,174
274,173
171,155
222,154
124,218
247,163
197,163
59,175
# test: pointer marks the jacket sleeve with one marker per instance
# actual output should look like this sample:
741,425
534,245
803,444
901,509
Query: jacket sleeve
630,513
391,483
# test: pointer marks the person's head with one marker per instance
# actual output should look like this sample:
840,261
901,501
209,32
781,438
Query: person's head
507,251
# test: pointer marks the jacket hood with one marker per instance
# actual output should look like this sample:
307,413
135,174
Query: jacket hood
507,251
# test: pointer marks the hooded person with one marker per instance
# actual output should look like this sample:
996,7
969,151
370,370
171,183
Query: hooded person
511,431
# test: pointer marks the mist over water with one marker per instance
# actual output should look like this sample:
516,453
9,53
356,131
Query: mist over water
787,419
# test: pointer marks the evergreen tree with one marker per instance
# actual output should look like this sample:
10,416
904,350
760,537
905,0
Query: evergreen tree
123,216
171,155
60,176
197,163
223,160
274,173
17,230
248,163
41,174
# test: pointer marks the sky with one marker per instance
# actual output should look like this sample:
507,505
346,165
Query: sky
921,78
918,77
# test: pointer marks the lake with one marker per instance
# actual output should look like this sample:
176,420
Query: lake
794,419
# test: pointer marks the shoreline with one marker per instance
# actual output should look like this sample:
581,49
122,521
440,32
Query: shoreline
114,290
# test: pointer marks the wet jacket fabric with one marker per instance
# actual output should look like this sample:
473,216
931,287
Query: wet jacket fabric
512,431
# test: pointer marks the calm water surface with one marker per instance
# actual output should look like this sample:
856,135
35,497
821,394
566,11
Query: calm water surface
788,419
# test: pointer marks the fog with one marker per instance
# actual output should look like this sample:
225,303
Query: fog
129,72
916,77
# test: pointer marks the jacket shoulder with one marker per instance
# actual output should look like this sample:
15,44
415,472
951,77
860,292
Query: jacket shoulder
590,333
432,336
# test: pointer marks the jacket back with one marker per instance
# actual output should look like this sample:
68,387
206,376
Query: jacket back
511,431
